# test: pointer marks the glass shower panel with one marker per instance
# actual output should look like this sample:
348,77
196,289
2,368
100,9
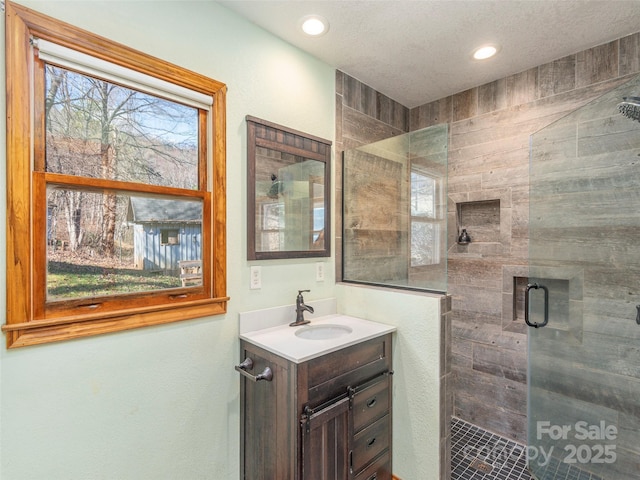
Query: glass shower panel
584,280
394,217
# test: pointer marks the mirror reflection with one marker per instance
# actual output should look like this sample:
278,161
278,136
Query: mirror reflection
289,202
288,193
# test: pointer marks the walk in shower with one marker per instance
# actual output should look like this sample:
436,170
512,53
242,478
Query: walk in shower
583,293
394,211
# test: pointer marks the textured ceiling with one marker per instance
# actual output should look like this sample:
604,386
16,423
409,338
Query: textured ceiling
416,51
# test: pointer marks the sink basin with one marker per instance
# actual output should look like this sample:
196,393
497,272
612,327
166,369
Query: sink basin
323,332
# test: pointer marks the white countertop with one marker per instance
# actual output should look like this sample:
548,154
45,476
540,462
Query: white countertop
282,339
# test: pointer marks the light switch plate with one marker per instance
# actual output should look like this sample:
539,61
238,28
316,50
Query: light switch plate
319,272
256,277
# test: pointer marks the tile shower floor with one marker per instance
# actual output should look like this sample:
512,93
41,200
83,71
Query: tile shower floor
480,455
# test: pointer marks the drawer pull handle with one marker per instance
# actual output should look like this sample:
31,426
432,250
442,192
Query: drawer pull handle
372,402
371,442
247,364
373,477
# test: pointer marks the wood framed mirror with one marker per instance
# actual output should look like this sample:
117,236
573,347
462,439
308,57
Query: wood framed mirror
288,192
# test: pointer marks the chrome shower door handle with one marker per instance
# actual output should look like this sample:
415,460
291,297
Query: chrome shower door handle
536,286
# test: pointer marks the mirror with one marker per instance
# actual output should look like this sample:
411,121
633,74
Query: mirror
288,180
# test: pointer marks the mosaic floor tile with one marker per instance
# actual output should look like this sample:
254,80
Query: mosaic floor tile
480,455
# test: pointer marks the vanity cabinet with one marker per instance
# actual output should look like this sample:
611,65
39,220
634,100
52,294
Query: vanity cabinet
327,418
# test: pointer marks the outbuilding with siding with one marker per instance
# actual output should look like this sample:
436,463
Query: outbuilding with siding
165,232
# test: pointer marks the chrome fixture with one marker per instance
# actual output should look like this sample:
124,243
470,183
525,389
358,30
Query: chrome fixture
630,108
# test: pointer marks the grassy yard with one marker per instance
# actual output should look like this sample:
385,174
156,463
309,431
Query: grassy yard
67,280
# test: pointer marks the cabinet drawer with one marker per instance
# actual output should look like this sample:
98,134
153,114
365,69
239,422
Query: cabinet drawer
380,469
371,403
370,442
329,375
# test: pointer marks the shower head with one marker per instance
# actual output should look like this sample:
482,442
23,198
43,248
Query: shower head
630,108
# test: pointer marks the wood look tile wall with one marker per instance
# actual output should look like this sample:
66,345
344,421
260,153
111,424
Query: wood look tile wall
489,129
363,116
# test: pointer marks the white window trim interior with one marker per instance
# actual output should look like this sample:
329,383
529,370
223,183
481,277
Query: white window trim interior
433,220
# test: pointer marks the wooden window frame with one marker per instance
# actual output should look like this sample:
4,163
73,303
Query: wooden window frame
28,322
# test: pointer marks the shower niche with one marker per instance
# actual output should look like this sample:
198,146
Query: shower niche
482,219
486,218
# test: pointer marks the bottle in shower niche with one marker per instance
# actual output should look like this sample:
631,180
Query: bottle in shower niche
464,237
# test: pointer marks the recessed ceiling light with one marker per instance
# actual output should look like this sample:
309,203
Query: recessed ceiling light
485,52
314,25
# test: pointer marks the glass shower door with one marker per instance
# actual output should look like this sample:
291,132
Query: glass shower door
583,294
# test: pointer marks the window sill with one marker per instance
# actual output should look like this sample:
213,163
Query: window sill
45,331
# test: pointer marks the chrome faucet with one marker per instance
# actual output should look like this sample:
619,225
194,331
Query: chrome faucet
300,308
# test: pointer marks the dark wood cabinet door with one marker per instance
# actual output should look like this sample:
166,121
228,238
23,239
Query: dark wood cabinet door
268,420
325,443
283,440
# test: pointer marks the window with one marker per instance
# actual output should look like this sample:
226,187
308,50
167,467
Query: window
116,180
170,236
317,193
425,228
273,227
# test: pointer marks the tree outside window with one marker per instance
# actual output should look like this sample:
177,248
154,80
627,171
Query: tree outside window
425,228
112,163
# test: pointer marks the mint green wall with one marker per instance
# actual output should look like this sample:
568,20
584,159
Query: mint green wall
162,402
416,365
